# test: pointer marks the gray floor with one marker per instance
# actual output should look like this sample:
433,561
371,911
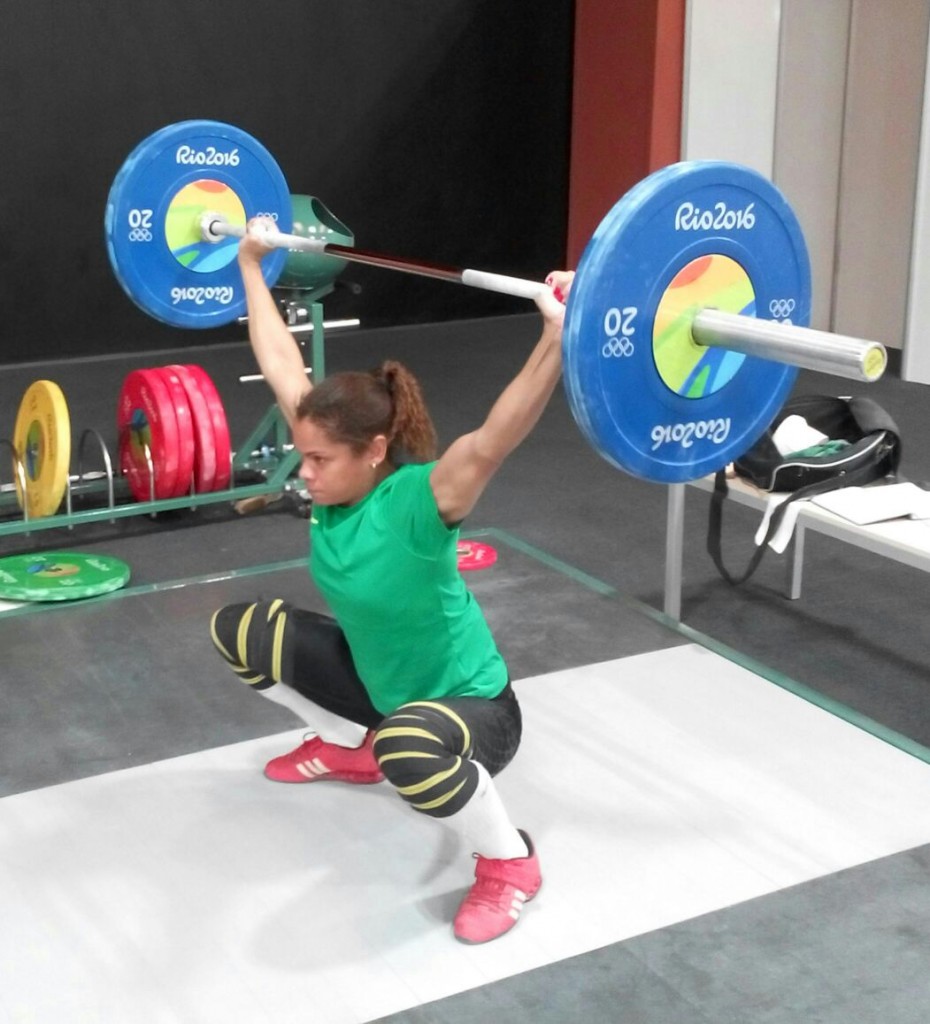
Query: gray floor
131,683
846,947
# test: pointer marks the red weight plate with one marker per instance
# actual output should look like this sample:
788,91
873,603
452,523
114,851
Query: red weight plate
182,410
145,416
221,437
204,441
474,555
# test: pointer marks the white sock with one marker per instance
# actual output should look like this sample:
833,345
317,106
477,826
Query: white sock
485,824
329,727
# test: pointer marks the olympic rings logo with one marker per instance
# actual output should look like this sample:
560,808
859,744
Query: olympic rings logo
617,348
140,235
781,308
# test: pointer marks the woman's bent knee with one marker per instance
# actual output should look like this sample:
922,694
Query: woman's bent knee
250,637
423,750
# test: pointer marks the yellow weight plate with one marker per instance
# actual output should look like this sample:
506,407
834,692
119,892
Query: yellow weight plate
42,438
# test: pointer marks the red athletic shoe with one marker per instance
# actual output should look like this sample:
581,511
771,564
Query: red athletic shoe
315,760
494,902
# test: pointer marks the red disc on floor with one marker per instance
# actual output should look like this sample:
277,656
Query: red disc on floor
182,410
202,423
221,439
473,554
147,422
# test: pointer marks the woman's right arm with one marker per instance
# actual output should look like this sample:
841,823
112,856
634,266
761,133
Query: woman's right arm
276,350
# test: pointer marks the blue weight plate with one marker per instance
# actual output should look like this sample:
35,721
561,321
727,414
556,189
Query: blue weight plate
152,220
670,227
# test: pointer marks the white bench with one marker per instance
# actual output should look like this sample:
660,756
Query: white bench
904,540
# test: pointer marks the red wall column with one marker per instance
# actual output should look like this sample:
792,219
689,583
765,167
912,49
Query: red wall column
626,104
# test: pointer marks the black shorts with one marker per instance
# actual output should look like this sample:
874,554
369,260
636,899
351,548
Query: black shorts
311,655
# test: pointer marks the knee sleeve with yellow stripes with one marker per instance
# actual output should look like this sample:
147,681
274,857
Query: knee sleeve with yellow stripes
250,637
423,750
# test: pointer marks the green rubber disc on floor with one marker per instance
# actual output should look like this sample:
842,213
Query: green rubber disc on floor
60,576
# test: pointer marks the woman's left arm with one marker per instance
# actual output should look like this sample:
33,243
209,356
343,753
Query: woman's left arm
465,469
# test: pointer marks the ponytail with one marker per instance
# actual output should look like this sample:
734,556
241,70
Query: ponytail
412,429
355,407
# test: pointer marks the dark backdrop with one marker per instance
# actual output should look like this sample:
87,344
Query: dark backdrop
436,129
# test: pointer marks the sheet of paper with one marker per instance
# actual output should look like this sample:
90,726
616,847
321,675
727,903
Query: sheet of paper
864,505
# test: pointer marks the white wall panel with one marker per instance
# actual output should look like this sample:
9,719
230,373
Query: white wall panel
809,130
826,99
731,77
915,363
887,60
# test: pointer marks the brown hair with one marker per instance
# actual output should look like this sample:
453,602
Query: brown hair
355,406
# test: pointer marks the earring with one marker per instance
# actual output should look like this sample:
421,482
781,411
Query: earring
374,465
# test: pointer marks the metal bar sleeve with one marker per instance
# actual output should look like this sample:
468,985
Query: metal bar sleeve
787,343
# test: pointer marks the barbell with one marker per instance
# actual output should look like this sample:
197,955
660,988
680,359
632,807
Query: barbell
669,372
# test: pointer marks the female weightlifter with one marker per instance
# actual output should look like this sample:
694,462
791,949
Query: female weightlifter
404,682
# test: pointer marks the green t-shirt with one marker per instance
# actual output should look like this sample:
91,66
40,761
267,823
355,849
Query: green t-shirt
388,569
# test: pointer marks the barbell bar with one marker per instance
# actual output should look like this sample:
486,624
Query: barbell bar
214,227
783,342
692,254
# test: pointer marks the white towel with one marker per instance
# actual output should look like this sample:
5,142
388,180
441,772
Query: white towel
794,434
785,529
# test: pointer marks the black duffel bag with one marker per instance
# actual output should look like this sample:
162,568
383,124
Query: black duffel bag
864,445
